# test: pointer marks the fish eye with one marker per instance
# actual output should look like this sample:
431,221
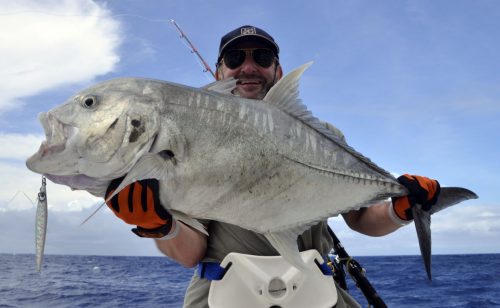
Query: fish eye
89,102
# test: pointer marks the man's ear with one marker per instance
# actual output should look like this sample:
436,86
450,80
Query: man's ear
218,74
279,72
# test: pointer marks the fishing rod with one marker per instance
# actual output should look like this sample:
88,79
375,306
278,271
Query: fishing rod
356,271
193,49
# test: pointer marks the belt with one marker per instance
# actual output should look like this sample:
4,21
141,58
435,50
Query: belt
213,270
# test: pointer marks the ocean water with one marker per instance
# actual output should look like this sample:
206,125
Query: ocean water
105,281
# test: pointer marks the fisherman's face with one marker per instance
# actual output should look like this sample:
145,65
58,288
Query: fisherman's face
253,80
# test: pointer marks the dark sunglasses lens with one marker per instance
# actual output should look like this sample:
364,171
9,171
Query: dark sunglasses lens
263,57
234,58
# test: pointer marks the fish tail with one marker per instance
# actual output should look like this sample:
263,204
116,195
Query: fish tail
447,197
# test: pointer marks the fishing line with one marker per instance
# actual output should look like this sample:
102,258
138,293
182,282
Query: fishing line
17,193
198,61
108,16
93,213
85,15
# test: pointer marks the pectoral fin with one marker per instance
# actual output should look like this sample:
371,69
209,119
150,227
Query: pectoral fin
193,223
149,166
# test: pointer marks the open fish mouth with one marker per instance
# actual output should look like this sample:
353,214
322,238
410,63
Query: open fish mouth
57,134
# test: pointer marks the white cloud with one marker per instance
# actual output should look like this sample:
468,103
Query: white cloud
454,230
19,146
103,234
21,182
470,219
46,44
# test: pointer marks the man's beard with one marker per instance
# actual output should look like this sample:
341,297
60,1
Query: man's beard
264,89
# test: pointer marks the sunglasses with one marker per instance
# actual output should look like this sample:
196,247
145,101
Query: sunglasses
235,57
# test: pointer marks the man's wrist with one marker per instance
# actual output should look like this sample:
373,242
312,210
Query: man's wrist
394,217
174,231
155,233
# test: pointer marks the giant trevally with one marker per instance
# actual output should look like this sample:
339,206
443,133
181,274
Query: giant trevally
268,165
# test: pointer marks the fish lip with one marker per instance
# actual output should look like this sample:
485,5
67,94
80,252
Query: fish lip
57,134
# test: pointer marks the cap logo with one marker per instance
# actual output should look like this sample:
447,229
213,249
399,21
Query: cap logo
248,31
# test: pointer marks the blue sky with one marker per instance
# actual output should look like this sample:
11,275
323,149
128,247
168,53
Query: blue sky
414,85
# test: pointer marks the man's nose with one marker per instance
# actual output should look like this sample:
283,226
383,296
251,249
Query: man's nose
249,65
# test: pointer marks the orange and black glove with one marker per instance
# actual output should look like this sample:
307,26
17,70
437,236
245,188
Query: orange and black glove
139,204
422,190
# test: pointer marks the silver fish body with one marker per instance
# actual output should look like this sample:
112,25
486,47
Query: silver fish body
41,225
267,166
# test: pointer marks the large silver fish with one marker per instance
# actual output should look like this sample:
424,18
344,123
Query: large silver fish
268,166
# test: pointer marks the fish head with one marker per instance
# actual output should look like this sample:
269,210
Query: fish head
99,132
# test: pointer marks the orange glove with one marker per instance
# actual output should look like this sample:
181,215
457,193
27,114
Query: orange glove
422,190
139,204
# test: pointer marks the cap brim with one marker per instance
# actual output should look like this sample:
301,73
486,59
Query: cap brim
254,37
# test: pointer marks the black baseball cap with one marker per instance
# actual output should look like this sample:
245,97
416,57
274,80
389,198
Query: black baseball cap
246,33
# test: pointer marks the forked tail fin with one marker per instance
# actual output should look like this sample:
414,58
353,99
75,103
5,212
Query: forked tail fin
447,197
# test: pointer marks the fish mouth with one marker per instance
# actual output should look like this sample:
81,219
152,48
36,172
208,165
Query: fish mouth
57,134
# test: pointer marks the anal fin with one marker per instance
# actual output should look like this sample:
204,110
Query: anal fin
285,242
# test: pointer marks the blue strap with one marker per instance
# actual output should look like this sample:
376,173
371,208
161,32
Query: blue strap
210,271
325,269
213,270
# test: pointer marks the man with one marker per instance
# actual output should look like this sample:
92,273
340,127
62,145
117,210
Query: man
251,56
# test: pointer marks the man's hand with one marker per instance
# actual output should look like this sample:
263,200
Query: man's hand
422,190
139,204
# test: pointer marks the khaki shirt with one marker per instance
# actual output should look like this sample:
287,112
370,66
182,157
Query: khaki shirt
225,238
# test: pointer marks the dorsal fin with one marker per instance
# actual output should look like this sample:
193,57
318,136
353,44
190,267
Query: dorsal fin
285,95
